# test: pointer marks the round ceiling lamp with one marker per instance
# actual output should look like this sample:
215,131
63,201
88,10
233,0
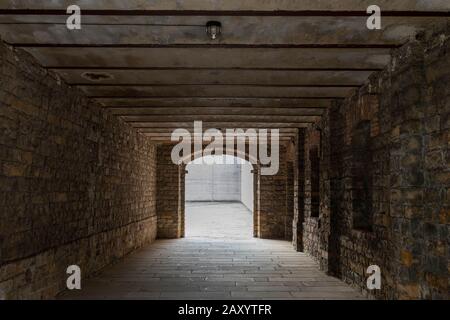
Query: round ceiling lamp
213,29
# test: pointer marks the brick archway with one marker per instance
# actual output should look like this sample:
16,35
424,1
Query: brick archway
256,191
220,198
272,219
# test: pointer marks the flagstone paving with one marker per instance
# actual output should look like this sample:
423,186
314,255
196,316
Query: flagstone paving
214,268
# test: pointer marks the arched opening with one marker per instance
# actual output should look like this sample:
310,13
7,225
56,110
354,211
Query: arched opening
219,198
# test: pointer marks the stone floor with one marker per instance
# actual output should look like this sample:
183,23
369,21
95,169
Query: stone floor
221,266
230,220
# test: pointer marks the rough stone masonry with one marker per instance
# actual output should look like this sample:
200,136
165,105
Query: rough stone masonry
384,172
77,184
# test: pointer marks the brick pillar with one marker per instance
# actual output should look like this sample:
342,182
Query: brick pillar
299,191
272,213
170,195
289,201
256,201
182,193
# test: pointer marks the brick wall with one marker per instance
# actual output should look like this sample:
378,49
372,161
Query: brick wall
275,218
390,209
77,186
170,195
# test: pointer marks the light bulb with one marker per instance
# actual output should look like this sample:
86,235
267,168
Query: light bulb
213,29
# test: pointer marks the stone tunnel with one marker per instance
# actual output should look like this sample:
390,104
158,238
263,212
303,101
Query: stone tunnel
87,176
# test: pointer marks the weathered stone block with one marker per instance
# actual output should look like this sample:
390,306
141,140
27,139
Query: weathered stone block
56,189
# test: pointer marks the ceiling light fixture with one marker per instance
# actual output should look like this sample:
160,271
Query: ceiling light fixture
213,29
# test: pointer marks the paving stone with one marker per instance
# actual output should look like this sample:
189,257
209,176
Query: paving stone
140,278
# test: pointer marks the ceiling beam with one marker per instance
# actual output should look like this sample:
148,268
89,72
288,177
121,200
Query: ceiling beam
90,84
198,111
292,131
227,102
168,139
130,97
220,6
169,135
213,58
270,99
167,132
202,46
112,68
219,118
220,125
240,13
190,91
214,78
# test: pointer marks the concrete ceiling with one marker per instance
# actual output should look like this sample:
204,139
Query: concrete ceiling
277,64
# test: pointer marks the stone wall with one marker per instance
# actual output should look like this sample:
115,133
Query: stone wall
390,208
290,200
299,190
434,257
77,186
313,175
